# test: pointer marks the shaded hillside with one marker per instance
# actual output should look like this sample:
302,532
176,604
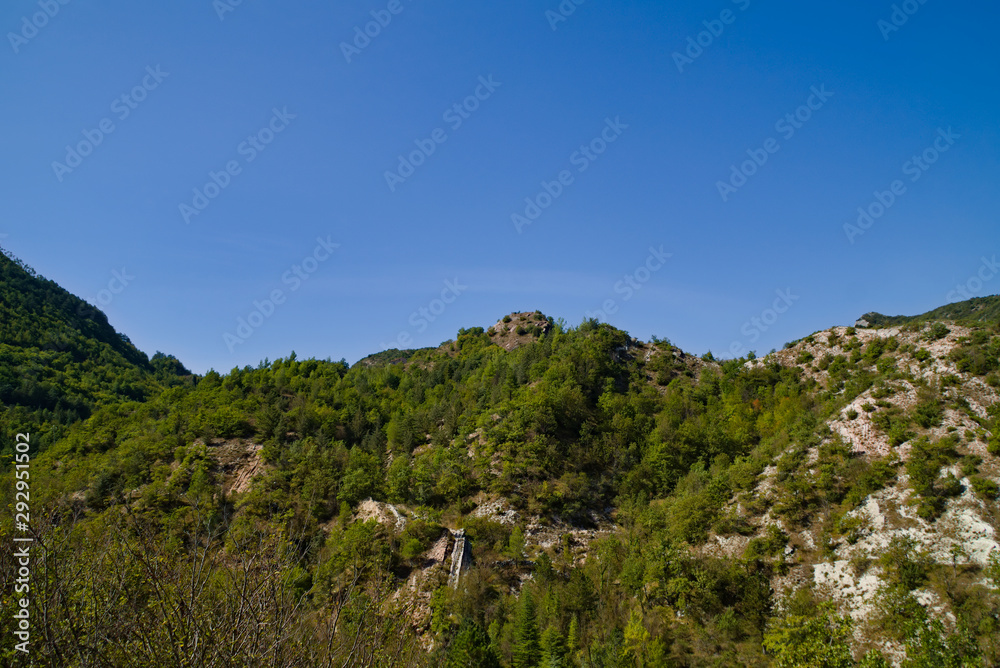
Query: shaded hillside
60,358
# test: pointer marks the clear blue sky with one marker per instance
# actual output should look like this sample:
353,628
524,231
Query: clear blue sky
548,92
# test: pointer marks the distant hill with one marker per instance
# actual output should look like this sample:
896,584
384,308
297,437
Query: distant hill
391,356
977,309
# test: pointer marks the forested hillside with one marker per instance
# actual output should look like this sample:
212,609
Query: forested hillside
59,358
621,503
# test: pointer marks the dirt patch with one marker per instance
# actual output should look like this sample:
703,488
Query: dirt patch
240,462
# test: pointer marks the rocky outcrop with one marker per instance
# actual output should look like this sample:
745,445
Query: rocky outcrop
460,558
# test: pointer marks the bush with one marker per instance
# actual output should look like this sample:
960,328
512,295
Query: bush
950,486
985,488
487,533
883,391
853,528
928,412
924,466
769,545
418,536
905,565
970,464
950,380
977,360
937,331
870,478
411,549
886,365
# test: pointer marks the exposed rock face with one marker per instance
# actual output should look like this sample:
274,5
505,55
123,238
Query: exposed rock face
240,462
460,558
383,513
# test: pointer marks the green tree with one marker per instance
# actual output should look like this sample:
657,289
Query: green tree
362,477
398,480
515,544
873,659
637,639
819,641
470,648
932,647
573,635
553,648
527,646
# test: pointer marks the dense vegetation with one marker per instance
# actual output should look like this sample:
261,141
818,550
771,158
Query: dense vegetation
60,359
146,559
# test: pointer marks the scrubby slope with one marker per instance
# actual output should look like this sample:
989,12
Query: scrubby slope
921,546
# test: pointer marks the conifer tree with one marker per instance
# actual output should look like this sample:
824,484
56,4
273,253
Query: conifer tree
527,647
553,648
471,648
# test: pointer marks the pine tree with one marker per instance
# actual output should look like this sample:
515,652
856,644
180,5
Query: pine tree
573,636
636,638
527,648
553,648
471,648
